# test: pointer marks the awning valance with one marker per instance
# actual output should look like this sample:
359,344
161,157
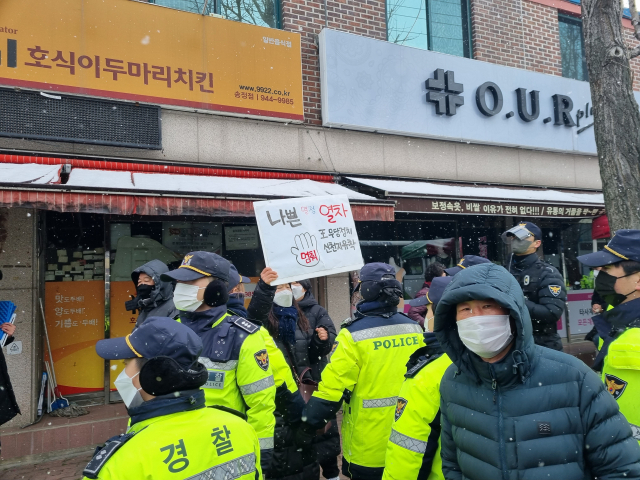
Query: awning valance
431,197
135,193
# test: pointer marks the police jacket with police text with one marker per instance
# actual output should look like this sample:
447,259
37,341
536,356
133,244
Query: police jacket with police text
177,437
366,369
544,290
240,375
537,414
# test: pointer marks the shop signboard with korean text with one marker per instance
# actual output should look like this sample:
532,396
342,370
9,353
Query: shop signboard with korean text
74,314
308,237
142,52
479,207
379,86
580,311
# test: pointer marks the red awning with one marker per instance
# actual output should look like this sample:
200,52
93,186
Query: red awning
600,228
118,192
143,205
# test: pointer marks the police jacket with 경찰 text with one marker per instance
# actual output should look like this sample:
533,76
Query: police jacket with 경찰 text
536,414
177,437
367,368
544,291
413,450
240,375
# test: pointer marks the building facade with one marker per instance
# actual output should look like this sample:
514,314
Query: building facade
88,195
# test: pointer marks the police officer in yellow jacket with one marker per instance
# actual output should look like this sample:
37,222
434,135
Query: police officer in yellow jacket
172,434
235,354
366,371
413,450
618,284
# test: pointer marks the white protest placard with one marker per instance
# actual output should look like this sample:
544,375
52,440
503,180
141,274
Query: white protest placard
308,237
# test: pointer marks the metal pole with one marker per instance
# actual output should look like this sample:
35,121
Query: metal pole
566,302
204,7
107,305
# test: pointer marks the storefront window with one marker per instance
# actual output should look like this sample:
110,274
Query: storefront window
264,13
574,62
439,25
411,245
91,257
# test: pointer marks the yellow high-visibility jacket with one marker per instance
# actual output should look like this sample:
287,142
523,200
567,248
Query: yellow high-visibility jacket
203,443
413,450
367,369
240,375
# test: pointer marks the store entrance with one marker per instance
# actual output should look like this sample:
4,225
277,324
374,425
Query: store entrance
89,259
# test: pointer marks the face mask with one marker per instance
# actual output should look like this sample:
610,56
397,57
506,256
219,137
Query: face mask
283,298
144,291
128,392
606,288
485,335
520,246
185,297
298,291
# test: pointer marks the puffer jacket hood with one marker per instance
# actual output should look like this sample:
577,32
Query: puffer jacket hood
163,290
161,298
477,283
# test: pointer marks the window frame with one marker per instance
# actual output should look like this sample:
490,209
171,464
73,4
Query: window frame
467,39
575,21
217,10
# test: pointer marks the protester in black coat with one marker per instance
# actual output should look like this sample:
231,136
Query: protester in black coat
8,405
318,318
289,461
327,445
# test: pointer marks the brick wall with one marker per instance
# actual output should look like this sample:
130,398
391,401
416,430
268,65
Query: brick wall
516,33
363,17
632,42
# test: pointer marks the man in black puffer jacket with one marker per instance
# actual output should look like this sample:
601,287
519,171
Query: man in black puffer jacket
515,410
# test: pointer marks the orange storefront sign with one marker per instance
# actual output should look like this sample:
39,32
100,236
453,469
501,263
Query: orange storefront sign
142,52
75,322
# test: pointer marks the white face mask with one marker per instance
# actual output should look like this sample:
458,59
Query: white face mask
298,291
485,335
128,392
185,297
283,298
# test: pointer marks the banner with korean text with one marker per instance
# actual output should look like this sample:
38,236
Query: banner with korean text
143,52
308,237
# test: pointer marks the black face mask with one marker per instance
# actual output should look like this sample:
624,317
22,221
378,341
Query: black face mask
144,290
605,286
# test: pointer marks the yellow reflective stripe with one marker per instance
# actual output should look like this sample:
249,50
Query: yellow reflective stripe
220,320
608,248
195,270
461,266
212,326
126,339
428,299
